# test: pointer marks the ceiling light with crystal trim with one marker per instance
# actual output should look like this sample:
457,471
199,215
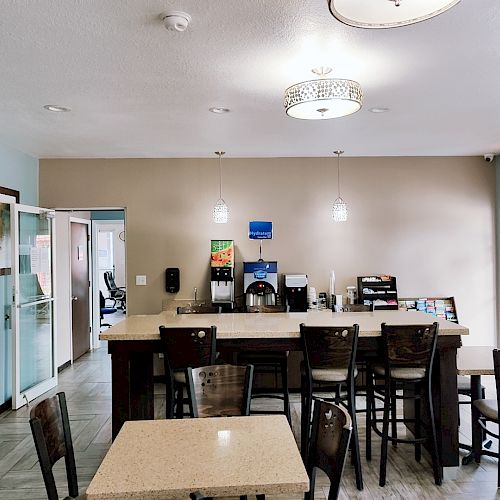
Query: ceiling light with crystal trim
339,212
221,210
387,13
323,98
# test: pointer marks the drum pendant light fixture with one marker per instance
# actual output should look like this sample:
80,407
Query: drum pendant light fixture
387,13
339,212
221,210
323,98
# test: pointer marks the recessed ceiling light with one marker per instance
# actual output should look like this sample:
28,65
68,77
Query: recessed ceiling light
219,111
379,110
56,109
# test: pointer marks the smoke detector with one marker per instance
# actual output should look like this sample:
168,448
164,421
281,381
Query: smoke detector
176,20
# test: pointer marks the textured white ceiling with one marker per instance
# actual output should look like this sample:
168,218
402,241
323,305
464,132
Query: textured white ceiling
138,90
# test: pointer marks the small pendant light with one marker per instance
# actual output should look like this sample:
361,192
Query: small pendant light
221,210
339,205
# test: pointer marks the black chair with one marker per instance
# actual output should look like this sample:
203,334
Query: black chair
488,412
330,436
269,362
408,355
118,294
219,390
182,348
52,435
104,310
329,363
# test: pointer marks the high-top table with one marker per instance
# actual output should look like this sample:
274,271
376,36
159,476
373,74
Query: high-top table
133,341
217,456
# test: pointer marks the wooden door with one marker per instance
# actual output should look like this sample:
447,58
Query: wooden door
80,289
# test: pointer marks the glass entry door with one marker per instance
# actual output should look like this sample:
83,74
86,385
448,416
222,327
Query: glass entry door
6,204
34,359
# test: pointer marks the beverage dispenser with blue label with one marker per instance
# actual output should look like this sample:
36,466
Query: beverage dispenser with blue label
260,282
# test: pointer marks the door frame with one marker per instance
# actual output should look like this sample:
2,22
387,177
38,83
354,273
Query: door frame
46,385
87,222
96,327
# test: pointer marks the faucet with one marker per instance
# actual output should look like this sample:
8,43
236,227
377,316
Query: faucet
195,293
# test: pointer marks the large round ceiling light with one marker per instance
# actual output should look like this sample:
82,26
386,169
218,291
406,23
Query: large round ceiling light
387,13
323,98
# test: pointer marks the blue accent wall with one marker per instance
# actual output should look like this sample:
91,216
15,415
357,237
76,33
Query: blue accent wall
19,171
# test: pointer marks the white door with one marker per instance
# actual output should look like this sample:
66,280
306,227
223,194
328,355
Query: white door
34,349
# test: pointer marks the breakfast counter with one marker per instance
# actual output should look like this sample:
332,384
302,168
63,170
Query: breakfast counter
133,342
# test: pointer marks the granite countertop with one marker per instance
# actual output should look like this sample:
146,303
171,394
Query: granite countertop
275,325
475,360
218,456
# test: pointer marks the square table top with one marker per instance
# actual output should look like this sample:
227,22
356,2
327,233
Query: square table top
166,459
272,325
475,360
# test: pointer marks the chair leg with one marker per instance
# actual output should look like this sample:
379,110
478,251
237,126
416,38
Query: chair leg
369,402
305,424
179,410
355,442
312,482
436,466
418,424
385,432
286,393
394,422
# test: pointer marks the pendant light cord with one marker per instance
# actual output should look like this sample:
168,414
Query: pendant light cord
220,175
338,174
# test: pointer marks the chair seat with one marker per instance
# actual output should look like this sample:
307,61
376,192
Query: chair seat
401,373
180,377
487,407
336,375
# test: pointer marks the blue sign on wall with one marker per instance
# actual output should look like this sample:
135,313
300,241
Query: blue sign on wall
260,230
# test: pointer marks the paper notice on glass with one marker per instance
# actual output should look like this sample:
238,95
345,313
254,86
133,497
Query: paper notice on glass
40,260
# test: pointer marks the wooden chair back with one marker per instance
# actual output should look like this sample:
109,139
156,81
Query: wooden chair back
266,309
220,390
331,432
329,347
409,346
201,309
357,307
183,347
49,424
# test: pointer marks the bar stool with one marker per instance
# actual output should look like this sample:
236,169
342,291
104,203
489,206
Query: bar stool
407,364
269,362
329,362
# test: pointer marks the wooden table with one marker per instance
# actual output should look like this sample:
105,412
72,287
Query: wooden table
475,361
133,341
217,456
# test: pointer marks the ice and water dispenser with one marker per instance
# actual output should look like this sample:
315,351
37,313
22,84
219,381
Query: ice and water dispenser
260,282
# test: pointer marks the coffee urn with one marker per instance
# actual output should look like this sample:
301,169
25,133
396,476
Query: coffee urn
296,292
260,282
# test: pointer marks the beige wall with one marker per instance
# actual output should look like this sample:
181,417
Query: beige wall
428,221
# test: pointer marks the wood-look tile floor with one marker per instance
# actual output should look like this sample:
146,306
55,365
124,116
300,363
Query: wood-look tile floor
88,391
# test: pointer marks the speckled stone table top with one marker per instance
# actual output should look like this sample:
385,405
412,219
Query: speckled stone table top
475,360
167,459
276,325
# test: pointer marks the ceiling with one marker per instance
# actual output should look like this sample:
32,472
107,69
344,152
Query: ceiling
138,90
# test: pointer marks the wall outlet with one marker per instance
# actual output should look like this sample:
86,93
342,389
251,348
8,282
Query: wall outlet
140,280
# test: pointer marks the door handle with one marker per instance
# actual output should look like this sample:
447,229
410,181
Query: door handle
74,298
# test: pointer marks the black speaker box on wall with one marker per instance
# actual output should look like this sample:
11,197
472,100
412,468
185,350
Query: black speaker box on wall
172,279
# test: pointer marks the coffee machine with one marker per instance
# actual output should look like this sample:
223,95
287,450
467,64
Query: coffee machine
296,292
260,282
222,273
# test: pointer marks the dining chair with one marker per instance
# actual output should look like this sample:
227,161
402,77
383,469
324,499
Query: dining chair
408,356
49,424
219,390
269,362
104,310
183,347
488,412
330,365
328,446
